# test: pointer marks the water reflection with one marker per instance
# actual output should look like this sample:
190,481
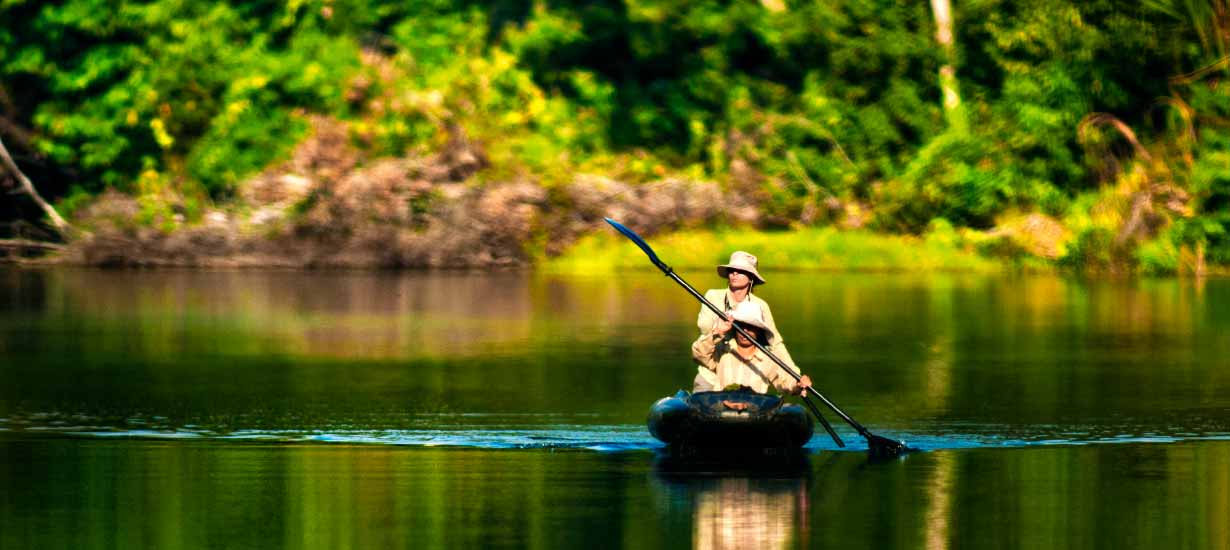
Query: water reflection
747,502
64,493
749,512
961,362
390,315
979,357
344,314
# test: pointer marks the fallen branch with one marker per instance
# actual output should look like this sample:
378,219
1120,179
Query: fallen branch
62,226
1217,65
1094,119
26,244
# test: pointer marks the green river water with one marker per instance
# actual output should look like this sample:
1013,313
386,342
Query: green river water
280,409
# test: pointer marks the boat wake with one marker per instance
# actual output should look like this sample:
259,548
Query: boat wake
606,437
588,437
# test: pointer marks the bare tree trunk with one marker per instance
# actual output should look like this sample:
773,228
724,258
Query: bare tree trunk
62,226
942,10
1199,260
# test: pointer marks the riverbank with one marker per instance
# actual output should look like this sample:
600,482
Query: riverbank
518,227
806,249
521,226
334,205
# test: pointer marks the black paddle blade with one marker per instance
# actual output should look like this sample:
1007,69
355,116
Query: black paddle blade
883,447
632,236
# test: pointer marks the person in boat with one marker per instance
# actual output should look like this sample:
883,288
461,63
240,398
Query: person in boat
734,361
741,277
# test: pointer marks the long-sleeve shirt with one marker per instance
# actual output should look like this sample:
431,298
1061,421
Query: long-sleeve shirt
716,353
721,298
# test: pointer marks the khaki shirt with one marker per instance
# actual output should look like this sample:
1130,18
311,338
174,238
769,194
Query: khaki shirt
716,353
721,298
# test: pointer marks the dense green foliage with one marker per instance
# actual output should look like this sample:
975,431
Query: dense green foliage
815,106
209,91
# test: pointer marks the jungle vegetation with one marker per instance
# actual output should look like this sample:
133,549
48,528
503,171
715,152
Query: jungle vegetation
1093,134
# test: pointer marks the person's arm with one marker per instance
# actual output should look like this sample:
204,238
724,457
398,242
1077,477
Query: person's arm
778,345
781,380
703,351
706,349
786,383
706,319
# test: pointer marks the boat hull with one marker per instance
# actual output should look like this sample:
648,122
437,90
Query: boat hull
706,420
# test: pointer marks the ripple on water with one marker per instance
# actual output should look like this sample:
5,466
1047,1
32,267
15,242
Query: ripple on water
535,432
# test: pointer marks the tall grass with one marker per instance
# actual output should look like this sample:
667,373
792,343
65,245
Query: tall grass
805,249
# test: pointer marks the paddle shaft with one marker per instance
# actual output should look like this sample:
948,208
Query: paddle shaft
823,421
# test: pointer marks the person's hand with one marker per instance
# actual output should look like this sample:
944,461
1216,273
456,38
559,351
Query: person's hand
804,383
723,325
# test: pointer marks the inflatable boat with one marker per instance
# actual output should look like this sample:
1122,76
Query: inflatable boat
734,420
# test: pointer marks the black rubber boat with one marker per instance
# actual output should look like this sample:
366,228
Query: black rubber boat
732,420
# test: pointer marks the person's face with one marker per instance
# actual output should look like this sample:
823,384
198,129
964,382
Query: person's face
738,279
753,331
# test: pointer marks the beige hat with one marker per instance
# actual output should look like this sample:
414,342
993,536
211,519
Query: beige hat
748,312
743,262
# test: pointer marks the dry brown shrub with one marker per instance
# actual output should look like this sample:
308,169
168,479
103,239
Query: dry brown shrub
1035,234
329,207
324,157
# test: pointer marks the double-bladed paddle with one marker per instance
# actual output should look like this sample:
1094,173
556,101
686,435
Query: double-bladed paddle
877,446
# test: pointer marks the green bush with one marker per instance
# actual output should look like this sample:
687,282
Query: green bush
127,81
244,142
1210,185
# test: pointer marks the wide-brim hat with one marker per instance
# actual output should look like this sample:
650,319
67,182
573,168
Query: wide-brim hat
748,312
741,261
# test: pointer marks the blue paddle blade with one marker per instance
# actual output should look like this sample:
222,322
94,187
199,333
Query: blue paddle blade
631,235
